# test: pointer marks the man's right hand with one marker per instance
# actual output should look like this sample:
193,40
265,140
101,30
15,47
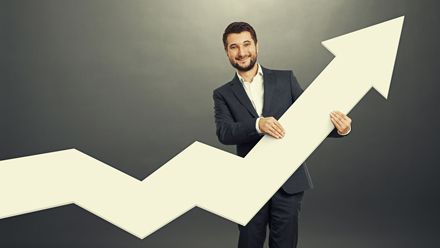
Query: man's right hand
269,125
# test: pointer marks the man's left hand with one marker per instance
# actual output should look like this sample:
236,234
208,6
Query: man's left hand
341,122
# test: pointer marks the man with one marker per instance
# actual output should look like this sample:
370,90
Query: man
246,109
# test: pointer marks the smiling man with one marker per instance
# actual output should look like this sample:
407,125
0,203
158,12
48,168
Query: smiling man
246,109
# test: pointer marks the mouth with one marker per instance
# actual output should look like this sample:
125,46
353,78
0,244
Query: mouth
241,60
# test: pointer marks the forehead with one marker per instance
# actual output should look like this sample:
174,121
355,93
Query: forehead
237,38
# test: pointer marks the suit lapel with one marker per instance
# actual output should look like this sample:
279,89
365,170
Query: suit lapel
241,95
269,88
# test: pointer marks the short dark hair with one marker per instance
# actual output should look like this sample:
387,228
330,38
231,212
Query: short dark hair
236,28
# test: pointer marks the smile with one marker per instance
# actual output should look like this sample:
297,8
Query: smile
243,59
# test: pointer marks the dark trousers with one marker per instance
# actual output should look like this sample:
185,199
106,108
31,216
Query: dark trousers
281,214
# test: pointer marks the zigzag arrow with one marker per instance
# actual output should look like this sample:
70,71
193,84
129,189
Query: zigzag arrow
203,176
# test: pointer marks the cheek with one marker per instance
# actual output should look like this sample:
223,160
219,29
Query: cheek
231,55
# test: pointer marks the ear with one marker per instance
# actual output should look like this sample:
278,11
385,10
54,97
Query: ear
256,46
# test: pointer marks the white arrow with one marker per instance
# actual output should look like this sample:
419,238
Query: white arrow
219,182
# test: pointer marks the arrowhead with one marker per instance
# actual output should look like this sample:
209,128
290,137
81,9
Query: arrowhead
372,49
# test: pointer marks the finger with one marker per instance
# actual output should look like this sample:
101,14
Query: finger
271,125
345,124
266,129
343,116
272,133
280,127
348,119
336,123
339,115
341,120
276,132
342,126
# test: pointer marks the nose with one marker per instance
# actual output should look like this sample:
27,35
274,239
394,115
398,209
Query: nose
241,52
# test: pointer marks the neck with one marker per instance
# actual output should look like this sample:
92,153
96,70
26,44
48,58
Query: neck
249,75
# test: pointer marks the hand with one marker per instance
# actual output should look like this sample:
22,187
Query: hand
271,126
341,122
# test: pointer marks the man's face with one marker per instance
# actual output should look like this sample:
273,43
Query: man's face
241,51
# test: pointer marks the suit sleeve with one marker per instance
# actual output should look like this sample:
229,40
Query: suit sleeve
229,131
297,91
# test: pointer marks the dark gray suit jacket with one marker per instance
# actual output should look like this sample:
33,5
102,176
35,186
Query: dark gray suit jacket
235,117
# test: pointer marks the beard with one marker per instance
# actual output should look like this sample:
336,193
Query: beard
253,60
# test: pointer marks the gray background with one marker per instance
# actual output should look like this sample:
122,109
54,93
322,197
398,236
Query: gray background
130,83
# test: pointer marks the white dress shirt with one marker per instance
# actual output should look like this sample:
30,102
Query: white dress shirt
255,91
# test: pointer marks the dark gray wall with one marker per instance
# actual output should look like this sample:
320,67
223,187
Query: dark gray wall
130,83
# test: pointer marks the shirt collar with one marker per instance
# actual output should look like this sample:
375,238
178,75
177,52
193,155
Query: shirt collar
259,72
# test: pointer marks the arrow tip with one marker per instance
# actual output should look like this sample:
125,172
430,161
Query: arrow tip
373,50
